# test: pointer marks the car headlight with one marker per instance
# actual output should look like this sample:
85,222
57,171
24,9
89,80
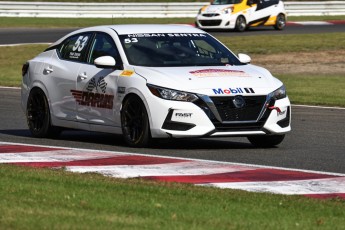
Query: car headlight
280,93
171,94
228,10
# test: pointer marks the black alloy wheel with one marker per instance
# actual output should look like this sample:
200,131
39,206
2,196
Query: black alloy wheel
135,122
38,115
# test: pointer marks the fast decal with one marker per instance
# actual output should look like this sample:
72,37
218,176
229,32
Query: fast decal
126,73
94,95
219,73
184,115
233,90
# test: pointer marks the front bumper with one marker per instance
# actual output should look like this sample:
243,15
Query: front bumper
215,21
209,118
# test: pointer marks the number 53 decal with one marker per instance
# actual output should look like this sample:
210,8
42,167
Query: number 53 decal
80,43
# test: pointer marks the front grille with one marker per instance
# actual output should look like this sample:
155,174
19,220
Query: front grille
210,22
210,15
250,112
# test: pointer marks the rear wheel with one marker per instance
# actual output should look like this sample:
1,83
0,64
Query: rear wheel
135,122
241,24
266,141
281,22
38,115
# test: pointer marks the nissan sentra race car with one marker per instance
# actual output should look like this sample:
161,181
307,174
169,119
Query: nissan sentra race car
152,81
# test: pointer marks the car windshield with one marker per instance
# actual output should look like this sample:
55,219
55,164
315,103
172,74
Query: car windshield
176,49
225,2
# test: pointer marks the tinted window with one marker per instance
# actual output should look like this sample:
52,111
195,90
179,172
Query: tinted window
103,45
225,2
176,50
75,47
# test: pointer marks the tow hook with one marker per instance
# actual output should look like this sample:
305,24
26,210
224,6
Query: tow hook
275,108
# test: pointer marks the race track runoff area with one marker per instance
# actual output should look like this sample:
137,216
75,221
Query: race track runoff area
253,178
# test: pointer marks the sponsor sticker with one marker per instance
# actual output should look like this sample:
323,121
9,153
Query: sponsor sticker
183,115
219,73
126,73
97,100
233,91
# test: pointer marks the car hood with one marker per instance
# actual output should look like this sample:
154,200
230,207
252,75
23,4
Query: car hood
212,80
215,8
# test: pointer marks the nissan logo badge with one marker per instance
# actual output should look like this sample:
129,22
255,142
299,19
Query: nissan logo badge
239,102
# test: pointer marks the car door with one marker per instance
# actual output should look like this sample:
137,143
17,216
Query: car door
262,11
99,85
61,70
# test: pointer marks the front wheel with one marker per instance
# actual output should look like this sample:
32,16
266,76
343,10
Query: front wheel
266,141
241,24
280,23
135,122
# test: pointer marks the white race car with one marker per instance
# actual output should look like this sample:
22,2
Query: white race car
152,81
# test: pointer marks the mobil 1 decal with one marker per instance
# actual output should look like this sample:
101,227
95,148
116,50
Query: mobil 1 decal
227,91
94,95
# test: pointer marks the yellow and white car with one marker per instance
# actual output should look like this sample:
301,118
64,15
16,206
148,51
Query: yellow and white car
241,14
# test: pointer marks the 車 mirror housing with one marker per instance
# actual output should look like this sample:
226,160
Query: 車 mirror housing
105,62
244,58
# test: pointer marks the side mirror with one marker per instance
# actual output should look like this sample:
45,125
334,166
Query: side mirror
244,58
105,62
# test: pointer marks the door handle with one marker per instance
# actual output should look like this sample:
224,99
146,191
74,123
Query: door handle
82,76
48,69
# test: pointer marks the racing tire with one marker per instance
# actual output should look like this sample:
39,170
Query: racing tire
266,141
135,123
38,116
281,22
241,24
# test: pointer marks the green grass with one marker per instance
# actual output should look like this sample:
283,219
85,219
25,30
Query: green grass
268,44
316,89
12,59
54,199
84,22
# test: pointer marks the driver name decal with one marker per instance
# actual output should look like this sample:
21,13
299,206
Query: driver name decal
219,73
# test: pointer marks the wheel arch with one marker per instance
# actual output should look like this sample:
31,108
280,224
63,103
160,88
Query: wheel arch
135,92
39,85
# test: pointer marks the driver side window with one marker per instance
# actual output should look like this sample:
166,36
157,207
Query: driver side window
103,45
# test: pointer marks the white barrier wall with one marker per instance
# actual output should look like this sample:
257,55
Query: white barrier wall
145,10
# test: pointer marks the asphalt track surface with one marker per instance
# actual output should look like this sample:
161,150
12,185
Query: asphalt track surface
317,141
31,35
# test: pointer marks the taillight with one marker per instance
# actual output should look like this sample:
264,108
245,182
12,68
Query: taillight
25,68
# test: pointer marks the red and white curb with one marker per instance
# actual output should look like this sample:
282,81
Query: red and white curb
316,23
252,178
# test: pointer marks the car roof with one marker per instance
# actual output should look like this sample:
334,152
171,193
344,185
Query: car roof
137,29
